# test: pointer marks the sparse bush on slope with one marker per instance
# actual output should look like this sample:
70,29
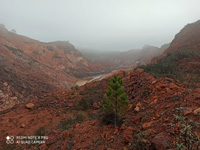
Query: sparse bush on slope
169,66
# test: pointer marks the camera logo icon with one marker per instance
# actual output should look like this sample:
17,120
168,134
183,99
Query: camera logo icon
10,140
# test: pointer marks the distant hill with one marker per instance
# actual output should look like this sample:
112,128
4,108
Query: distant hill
126,59
30,67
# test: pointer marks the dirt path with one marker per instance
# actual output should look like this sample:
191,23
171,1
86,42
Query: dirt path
82,82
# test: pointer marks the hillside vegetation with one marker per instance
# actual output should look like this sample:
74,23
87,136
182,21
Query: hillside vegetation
177,65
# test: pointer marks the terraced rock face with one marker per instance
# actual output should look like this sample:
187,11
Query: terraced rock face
31,67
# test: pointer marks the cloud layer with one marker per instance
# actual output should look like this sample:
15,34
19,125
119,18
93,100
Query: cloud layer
114,25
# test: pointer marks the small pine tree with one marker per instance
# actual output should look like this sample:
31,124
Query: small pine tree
117,100
13,30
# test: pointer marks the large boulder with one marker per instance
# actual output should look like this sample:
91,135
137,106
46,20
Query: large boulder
160,141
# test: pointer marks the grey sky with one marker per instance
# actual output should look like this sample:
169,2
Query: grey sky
100,24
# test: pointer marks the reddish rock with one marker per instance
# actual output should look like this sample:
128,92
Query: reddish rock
100,104
107,136
111,139
148,132
166,120
14,98
23,126
175,87
124,148
92,123
162,92
197,97
157,115
154,82
122,127
139,71
163,86
196,111
160,141
109,149
197,90
158,88
77,125
147,125
102,135
127,135
55,131
168,91
65,134
169,79
154,102
137,109
154,97
187,110
137,119
29,105
116,131
138,105
130,107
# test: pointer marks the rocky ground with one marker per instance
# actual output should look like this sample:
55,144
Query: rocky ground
69,124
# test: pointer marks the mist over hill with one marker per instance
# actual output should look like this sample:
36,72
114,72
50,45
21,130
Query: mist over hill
125,59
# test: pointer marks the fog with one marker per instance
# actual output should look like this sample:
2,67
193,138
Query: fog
114,25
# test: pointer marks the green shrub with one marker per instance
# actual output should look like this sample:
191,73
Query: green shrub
92,96
79,118
5,146
140,142
185,137
65,124
41,131
83,104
